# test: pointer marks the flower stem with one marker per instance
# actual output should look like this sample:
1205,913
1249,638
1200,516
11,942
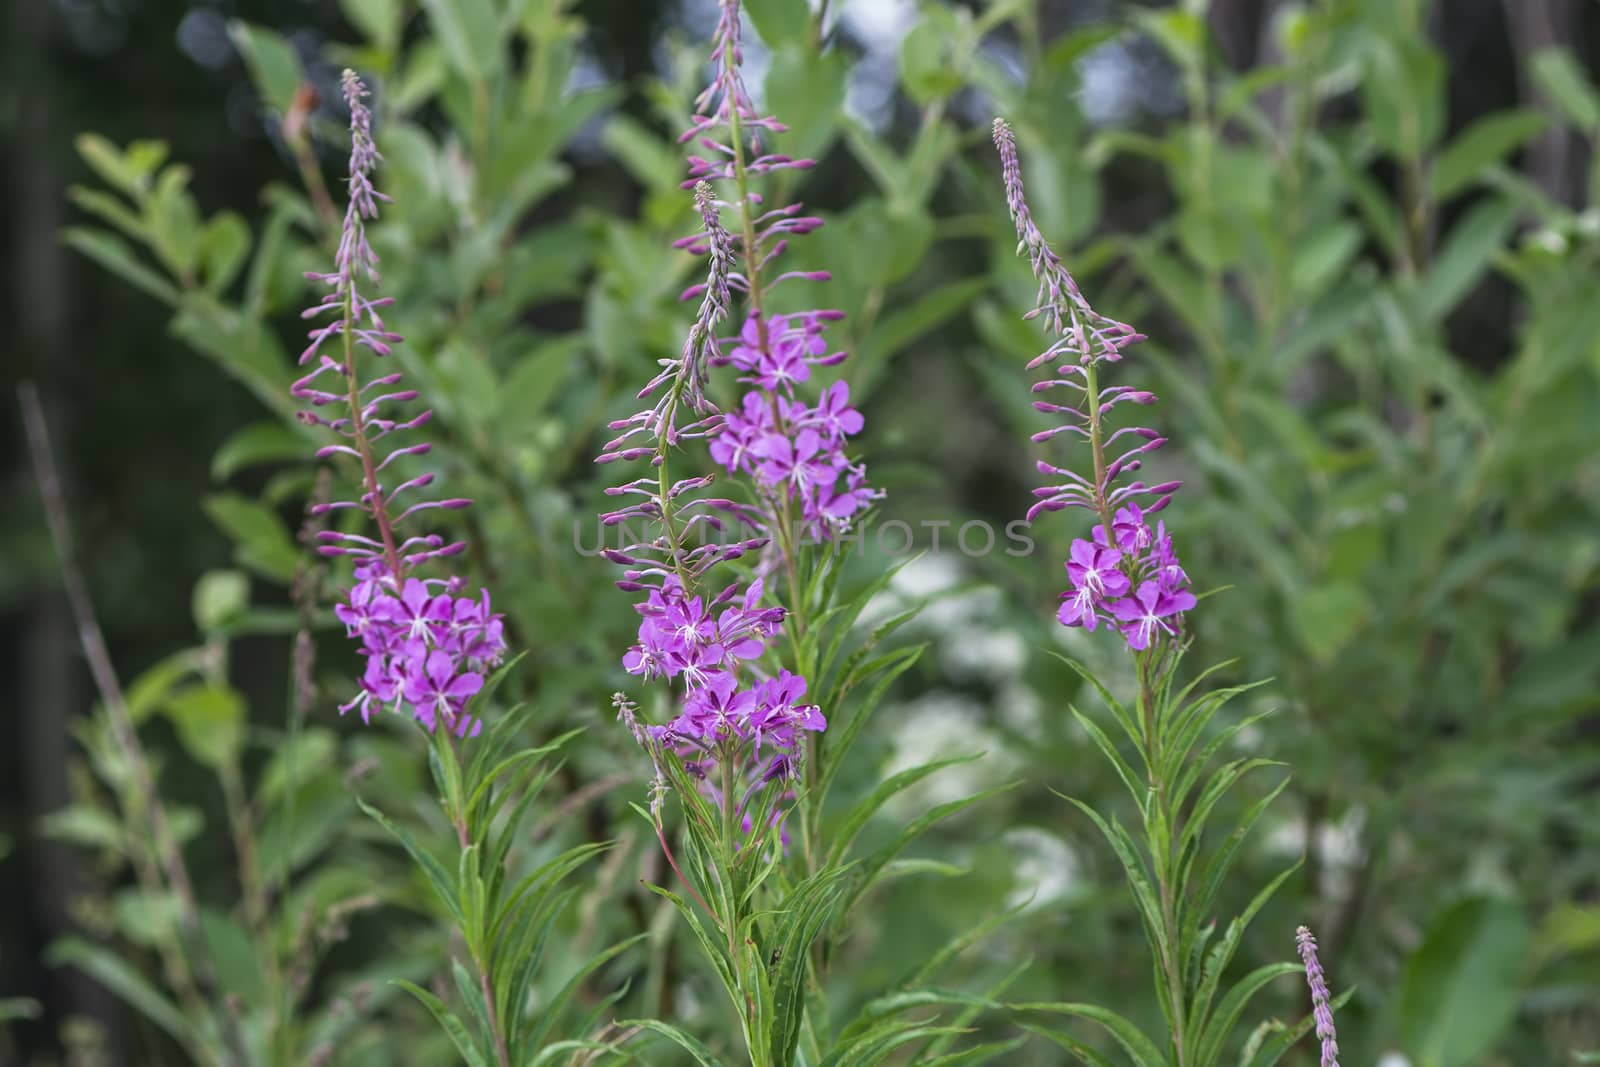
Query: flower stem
358,430
1165,866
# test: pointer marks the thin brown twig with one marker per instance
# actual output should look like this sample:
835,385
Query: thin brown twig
94,646
125,734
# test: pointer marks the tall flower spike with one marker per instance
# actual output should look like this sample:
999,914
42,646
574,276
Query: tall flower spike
425,647
734,718
1319,996
794,451
1127,575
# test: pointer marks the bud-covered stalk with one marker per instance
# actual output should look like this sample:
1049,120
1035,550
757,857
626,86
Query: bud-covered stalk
425,646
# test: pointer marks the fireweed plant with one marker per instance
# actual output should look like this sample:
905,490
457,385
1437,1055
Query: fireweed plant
428,650
1126,576
745,747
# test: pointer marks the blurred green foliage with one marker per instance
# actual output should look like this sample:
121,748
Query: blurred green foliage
1404,515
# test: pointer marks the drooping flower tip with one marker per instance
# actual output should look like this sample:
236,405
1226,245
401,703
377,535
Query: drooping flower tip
1322,1011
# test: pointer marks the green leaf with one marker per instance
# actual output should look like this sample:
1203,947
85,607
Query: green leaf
1561,79
130,170
909,322
210,721
929,70
1142,1050
443,884
219,598
378,20
780,22
113,253
1462,986
111,209
174,223
261,542
846,832
1232,1006
82,825
111,971
147,919
806,910
1484,143
450,1022
689,1043
257,444
470,33
872,867
233,955
1085,1053
223,246
273,65
1322,256
808,90
1465,255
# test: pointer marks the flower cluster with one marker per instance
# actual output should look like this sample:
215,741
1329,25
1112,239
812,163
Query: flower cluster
1131,580
794,452
733,715
705,644
1128,575
424,647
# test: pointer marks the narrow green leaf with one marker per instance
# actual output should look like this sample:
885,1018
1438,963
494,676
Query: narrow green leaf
1486,142
806,909
1465,255
271,60
113,253
1272,1051
689,1043
845,833
1143,1051
1085,1053
443,886
114,973
451,1024
1232,1005
1568,87
470,33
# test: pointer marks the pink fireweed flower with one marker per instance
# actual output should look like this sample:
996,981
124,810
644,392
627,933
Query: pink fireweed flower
425,648
736,722
1124,553
1320,1008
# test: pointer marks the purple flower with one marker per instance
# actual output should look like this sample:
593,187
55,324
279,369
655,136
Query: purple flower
833,414
423,646
1122,552
1128,527
717,709
709,647
1096,576
1149,612
1319,997
801,464
436,691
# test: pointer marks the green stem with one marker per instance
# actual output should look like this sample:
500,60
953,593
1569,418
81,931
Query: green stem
480,950
358,430
1166,864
